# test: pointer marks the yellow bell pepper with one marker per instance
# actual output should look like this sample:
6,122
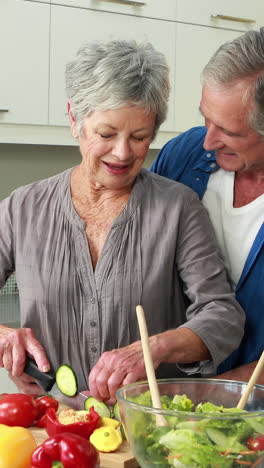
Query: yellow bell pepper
16,447
106,439
109,422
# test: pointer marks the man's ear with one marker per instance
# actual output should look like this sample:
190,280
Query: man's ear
73,125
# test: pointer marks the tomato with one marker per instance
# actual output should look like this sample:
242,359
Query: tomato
44,402
256,443
17,409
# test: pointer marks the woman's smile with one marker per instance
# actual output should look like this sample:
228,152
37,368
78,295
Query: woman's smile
116,168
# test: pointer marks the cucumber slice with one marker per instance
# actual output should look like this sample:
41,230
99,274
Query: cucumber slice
66,380
116,411
100,407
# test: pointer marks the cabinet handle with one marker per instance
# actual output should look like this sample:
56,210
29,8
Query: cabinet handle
233,18
129,2
4,110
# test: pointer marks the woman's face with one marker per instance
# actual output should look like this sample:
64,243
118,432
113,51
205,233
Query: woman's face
114,145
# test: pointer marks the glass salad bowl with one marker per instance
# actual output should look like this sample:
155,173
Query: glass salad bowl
199,427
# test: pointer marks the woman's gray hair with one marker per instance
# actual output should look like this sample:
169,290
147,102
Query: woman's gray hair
241,58
114,74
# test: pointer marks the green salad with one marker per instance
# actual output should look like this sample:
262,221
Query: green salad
202,436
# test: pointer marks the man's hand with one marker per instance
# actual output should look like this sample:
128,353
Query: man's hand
15,344
242,373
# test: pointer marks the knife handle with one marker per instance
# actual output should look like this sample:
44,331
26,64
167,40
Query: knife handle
45,379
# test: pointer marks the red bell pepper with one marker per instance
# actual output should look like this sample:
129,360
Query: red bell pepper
44,402
67,451
82,428
17,409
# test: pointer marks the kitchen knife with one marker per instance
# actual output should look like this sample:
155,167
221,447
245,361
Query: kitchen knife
47,381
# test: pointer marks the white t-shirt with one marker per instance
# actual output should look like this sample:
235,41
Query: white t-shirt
235,228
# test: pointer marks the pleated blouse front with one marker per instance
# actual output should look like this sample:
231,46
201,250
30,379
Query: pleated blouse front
152,256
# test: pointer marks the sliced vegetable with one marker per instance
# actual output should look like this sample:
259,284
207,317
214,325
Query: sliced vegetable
17,409
66,380
82,428
116,411
106,439
16,447
100,407
67,450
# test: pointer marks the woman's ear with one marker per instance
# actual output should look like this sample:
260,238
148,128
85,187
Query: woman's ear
73,125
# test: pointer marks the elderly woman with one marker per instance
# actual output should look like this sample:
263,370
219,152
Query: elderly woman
90,244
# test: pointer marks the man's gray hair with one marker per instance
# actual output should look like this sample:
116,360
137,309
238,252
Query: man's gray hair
114,74
241,58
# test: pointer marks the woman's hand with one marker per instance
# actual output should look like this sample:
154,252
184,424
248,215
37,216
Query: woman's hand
15,344
120,367
126,365
26,384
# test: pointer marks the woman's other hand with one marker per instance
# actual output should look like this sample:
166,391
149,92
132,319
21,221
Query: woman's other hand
15,344
126,365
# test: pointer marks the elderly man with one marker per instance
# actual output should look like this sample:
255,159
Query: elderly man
224,163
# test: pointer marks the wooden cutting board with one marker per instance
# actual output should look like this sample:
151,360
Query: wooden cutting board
121,458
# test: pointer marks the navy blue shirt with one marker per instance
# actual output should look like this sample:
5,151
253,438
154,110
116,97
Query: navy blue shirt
184,159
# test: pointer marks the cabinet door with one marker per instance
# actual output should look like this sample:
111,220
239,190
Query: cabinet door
24,39
165,9
242,14
194,46
71,27
38,1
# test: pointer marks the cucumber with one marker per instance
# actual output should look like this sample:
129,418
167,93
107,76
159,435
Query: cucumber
116,411
100,407
66,380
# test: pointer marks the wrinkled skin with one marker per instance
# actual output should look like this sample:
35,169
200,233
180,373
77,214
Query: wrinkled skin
120,366
126,365
14,345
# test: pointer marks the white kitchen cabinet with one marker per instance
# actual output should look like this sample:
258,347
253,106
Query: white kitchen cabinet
38,1
71,27
24,38
165,9
38,37
194,46
243,14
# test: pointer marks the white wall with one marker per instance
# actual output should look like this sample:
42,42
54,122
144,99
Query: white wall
6,385
22,164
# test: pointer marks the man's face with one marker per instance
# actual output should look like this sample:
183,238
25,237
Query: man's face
237,146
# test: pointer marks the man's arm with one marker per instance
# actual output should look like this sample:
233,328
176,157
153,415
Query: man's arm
242,373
